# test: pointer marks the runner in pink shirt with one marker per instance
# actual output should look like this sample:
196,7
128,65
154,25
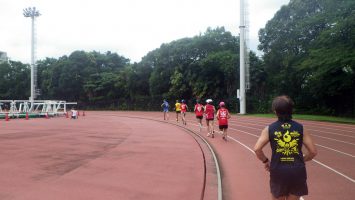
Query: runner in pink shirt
223,116
199,110
183,111
209,113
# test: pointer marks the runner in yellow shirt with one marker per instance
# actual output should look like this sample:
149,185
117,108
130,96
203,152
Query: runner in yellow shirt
177,109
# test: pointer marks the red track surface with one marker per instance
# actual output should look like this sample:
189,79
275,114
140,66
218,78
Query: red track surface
101,156
88,159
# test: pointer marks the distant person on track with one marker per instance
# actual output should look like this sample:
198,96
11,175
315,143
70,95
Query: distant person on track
74,113
184,109
288,178
177,110
165,106
209,113
222,117
199,110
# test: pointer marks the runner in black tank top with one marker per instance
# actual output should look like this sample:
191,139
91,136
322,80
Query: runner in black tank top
287,167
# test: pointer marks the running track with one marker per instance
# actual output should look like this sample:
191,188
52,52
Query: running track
330,176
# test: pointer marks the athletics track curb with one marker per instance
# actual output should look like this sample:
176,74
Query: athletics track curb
194,135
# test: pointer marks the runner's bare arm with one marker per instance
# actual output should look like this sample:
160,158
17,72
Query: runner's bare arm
309,144
260,144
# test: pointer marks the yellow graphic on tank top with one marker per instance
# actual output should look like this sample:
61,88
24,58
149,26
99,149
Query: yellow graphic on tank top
287,142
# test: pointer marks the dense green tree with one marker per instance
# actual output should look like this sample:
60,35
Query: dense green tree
309,54
14,80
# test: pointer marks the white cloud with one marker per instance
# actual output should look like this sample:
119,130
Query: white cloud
131,28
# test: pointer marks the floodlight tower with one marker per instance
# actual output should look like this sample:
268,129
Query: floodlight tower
244,57
33,13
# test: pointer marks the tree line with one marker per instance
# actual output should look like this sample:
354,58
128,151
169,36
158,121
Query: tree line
308,54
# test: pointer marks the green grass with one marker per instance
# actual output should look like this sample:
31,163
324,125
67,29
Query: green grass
313,118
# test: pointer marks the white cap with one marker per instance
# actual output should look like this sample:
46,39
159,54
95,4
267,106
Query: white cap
208,100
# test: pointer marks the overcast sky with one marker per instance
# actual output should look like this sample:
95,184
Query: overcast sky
130,28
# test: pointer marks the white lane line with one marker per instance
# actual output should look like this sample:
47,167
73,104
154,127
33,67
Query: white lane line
316,161
344,135
244,132
251,150
328,138
336,150
337,172
219,177
316,144
342,128
248,149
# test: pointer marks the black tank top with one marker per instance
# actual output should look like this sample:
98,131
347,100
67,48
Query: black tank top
286,139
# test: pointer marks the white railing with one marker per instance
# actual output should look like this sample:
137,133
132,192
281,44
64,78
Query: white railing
40,107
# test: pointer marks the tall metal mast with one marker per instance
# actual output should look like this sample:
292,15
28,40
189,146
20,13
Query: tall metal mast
33,13
242,59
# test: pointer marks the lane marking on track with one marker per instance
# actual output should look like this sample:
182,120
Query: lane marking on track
252,151
329,148
336,150
341,128
306,122
350,136
311,134
219,177
341,152
318,162
244,132
333,139
337,172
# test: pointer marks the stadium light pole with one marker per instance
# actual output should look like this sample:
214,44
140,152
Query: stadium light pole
32,13
242,27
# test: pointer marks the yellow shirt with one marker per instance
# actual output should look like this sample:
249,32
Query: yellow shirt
178,107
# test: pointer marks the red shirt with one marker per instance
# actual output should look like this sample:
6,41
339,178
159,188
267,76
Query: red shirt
222,116
199,110
209,110
183,107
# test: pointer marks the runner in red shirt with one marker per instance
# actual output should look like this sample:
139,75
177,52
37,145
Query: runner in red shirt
223,116
183,111
209,113
199,113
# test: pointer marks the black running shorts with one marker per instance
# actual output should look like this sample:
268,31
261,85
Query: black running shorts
290,181
221,127
199,117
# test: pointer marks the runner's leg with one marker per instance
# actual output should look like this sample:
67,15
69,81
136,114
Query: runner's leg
208,127
280,198
292,197
212,126
225,134
200,121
